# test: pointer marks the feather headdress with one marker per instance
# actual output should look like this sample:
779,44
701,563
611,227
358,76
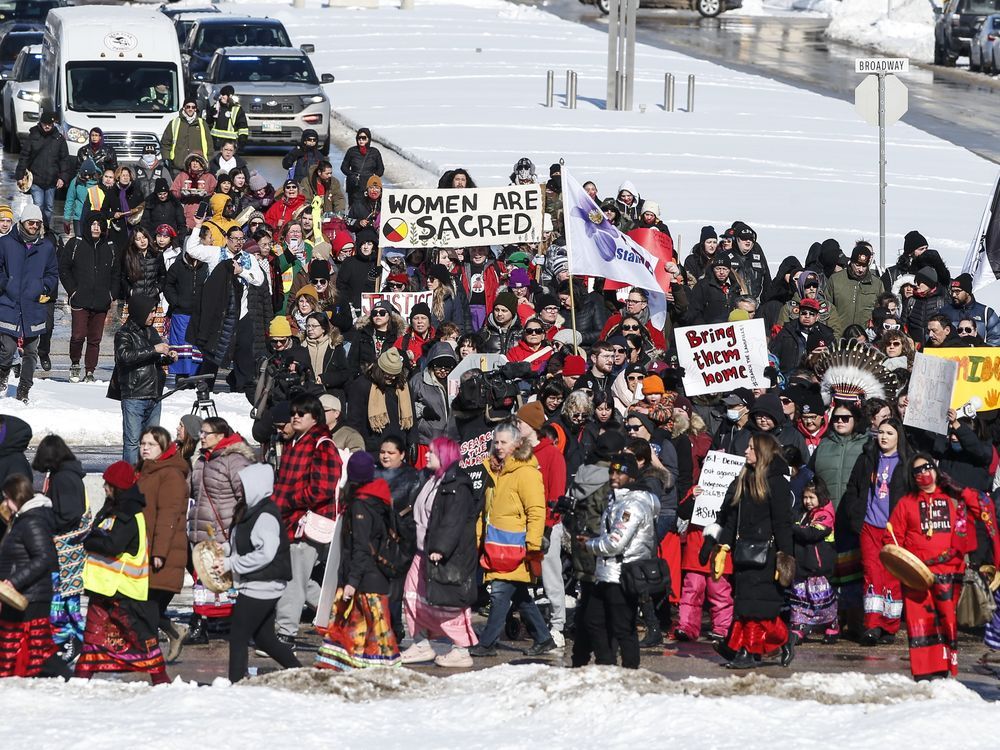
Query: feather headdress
853,371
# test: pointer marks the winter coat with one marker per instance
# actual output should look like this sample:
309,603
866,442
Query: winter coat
283,211
333,200
127,201
27,272
365,526
515,501
66,491
216,488
985,317
183,285
215,163
944,545
354,278
589,491
152,274
451,533
834,459
259,556
90,273
627,533
15,434
854,503
299,159
190,201
164,482
123,536
76,197
307,478
169,212
854,298
104,156
492,339
922,309
429,394
358,391
828,313
966,461
780,292
789,345
711,302
552,464
697,262
812,539
46,156
358,167
756,593
363,208
752,268
138,370
192,138
27,552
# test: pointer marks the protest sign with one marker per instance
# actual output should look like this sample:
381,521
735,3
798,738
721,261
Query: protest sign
929,393
402,301
978,378
723,356
422,217
717,473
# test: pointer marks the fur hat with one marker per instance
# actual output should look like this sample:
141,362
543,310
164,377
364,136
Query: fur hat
120,475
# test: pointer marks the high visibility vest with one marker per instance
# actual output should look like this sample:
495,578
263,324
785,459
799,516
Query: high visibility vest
96,196
175,127
229,132
126,574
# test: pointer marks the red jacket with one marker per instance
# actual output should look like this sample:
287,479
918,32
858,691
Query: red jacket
280,212
521,351
492,281
656,336
414,345
553,467
307,478
935,527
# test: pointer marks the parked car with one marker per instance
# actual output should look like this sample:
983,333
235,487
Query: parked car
707,8
214,32
277,88
981,48
956,24
20,98
28,10
15,36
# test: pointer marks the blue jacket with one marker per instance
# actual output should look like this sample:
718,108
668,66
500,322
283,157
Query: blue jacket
27,272
986,318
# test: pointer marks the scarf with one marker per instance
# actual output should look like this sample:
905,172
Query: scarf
317,352
363,150
189,119
378,412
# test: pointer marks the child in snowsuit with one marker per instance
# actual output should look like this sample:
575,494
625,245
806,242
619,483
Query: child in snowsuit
700,581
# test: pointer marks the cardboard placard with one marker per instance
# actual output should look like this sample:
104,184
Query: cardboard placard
717,473
929,393
720,357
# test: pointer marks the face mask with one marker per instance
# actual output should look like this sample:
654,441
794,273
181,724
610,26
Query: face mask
925,479
733,415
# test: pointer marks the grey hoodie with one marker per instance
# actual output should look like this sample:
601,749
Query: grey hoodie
265,536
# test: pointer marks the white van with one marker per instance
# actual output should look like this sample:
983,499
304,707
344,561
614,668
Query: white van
118,69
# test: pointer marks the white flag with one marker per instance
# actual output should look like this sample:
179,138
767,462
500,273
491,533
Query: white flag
596,248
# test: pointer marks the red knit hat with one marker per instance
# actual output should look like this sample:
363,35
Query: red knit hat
574,365
120,475
342,240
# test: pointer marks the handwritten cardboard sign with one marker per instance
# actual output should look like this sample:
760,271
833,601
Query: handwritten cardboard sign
929,393
720,357
717,473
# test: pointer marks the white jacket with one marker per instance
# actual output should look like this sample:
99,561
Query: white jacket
213,255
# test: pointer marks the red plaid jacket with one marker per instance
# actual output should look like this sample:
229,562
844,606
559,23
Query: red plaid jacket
307,478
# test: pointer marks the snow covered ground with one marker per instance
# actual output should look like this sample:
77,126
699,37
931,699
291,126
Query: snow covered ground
905,31
503,707
462,82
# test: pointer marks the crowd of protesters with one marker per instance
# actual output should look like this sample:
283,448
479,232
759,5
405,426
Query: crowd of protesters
567,475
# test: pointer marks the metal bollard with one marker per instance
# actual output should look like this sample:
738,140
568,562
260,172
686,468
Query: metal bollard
569,75
571,98
691,93
668,92
550,88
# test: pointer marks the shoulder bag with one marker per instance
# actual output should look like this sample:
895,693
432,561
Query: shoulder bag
749,554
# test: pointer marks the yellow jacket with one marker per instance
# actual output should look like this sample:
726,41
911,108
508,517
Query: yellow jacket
515,502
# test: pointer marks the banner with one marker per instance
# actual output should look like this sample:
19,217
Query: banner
929,393
978,377
596,248
423,217
717,473
402,301
723,356
660,245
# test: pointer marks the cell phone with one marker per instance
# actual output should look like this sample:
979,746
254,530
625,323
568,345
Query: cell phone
202,212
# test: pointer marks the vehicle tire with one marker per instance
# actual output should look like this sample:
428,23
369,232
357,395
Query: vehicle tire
938,54
604,6
708,8
973,67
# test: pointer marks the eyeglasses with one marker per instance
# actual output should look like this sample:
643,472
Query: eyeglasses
633,427
534,331
379,313
313,325
319,282
635,301
551,308
921,468
890,326
630,328
966,330
841,418
206,434
299,413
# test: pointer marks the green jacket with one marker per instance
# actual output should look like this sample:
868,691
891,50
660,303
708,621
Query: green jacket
834,461
855,299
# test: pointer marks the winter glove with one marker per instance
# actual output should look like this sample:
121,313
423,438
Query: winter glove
706,550
784,569
533,560
430,413
719,561
44,299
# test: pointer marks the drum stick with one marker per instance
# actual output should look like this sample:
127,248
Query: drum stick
888,527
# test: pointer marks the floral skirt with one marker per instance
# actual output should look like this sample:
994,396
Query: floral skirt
359,635
25,640
813,602
121,637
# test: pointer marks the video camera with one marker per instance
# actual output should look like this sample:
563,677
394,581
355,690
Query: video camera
202,385
497,393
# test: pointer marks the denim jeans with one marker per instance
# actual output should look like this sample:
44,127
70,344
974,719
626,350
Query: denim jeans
137,415
502,595
44,198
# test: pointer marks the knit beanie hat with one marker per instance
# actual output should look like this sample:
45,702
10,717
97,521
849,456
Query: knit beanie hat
508,300
439,272
912,240
257,182
421,308
279,328
519,279
652,384
574,365
360,467
390,361
121,475
927,275
708,233
192,424
319,269
532,414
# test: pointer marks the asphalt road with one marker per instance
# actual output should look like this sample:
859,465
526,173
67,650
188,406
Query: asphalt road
951,103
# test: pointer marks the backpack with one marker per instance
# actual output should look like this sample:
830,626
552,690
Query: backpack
396,549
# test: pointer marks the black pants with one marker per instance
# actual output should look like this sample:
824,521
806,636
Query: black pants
45,340
254,618
611,617
582,647
162,600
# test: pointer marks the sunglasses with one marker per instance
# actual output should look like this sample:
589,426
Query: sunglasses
894,343
890,326
922,468
812,285
807,311
618,350
534,331
299,413
206,434
633,427
379,313
637,377
966,330
319,282
841,418
630,328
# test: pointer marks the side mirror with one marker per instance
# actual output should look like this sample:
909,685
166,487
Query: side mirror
5,76
198,76
327,78
308,48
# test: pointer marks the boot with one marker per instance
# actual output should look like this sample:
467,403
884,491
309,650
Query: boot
787,653
198,633
871,637
654,636
45,361
4,375
742,660
74,373
175,639
22,393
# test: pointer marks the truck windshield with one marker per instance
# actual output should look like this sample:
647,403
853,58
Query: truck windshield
126,86
214,36
984,7
285,68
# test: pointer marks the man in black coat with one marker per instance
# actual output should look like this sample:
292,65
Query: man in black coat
138,378
163,208
714,297
929,299
789,346
15,434
90,271
46,156
361,162
747,259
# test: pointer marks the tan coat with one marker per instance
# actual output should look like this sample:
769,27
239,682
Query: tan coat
516,502
164,484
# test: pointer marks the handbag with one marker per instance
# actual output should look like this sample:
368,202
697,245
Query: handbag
645,577
749,554
503,551
315,528
976,604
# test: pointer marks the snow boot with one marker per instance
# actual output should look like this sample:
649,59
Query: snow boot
742,660
198,633
22,393
175,639
787,653
45,361
89,377
74,373
871,637
4,375
647,611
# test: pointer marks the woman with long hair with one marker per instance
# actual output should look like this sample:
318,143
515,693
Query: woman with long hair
896,344
373,334
145,272
877,482
126,207
935,520
325,347
63,485
379,403
440,587
163,474
755,525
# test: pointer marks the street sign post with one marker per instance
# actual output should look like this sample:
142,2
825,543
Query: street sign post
881,99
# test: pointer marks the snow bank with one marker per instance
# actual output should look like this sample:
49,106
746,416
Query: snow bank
907,32
506,706
83,415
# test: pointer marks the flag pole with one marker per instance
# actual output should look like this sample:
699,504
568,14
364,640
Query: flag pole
569,268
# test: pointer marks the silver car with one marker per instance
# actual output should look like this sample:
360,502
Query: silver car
983,53
277,88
